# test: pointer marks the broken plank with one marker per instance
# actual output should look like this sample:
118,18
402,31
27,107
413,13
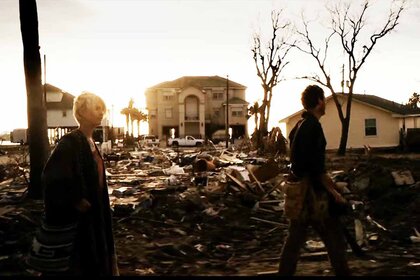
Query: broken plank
239,183
266,210
267,221
6,209
255,178
271,190
268,273
271,201
6,182
317,256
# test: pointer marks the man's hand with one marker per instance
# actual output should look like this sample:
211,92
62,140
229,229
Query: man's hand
332,188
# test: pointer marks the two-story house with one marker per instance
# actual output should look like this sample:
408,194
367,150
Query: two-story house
196,105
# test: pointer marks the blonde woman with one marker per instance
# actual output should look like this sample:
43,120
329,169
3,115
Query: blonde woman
77,218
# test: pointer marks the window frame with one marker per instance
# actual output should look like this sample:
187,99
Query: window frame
171,113
371,130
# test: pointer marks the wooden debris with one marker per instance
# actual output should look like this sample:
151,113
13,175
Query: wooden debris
267,221
6,209
237,182
248,167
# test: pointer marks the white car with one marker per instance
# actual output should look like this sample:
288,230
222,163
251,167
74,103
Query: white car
148,140
187,141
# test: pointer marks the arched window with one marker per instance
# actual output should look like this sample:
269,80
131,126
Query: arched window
191,108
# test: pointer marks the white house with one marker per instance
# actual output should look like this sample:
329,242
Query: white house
374,121
60,118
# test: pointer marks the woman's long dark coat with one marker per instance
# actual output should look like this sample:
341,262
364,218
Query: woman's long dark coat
71,174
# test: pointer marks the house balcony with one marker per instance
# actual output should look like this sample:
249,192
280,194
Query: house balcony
191,119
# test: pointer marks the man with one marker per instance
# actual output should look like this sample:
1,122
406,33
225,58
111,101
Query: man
308,144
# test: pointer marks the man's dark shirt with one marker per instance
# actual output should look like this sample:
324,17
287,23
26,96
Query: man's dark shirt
308,150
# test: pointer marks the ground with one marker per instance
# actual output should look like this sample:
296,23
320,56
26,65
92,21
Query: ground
199,231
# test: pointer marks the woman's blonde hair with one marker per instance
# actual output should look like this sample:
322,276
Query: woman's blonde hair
86,100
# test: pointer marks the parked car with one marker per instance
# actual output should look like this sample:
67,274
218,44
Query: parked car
148,140
19,135
219,136
187,141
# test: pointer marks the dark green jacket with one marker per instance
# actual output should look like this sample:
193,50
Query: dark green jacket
307,145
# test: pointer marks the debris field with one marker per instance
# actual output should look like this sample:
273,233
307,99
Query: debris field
212,211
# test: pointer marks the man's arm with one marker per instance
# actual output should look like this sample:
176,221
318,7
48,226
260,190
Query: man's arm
332,188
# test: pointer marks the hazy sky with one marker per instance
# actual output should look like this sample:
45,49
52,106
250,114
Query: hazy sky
118,48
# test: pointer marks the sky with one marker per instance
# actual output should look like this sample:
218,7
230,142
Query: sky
119,48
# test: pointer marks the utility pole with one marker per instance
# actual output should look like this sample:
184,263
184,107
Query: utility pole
45,79
342,80
227,112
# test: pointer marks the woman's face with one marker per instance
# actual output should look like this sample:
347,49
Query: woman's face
93,113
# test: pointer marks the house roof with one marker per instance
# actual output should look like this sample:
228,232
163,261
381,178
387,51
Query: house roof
375,101
66,101
236,100
387,105
199,82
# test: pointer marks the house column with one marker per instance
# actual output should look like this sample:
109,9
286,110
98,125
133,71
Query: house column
202,119
181,122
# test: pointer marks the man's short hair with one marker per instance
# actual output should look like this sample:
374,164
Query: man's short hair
311,95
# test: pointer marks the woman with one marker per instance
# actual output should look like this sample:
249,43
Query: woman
76,197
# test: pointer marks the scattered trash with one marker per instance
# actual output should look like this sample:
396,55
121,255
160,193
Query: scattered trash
313,246
415,238
403,177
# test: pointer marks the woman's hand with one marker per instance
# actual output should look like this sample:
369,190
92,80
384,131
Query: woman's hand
339,198
83,205
115,270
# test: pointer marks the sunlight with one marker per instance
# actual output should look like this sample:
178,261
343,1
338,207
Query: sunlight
110,52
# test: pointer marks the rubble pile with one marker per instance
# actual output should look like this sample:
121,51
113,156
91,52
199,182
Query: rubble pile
219,211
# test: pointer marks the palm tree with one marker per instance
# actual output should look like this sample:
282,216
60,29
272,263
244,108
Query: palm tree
253,111
37,112
138,116
128,116
126,113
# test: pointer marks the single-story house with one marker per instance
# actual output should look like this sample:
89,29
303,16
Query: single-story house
374,121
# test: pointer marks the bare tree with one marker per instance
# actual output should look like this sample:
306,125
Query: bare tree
269,63
37,113
349,29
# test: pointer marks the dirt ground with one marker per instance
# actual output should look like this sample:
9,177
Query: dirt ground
210,231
